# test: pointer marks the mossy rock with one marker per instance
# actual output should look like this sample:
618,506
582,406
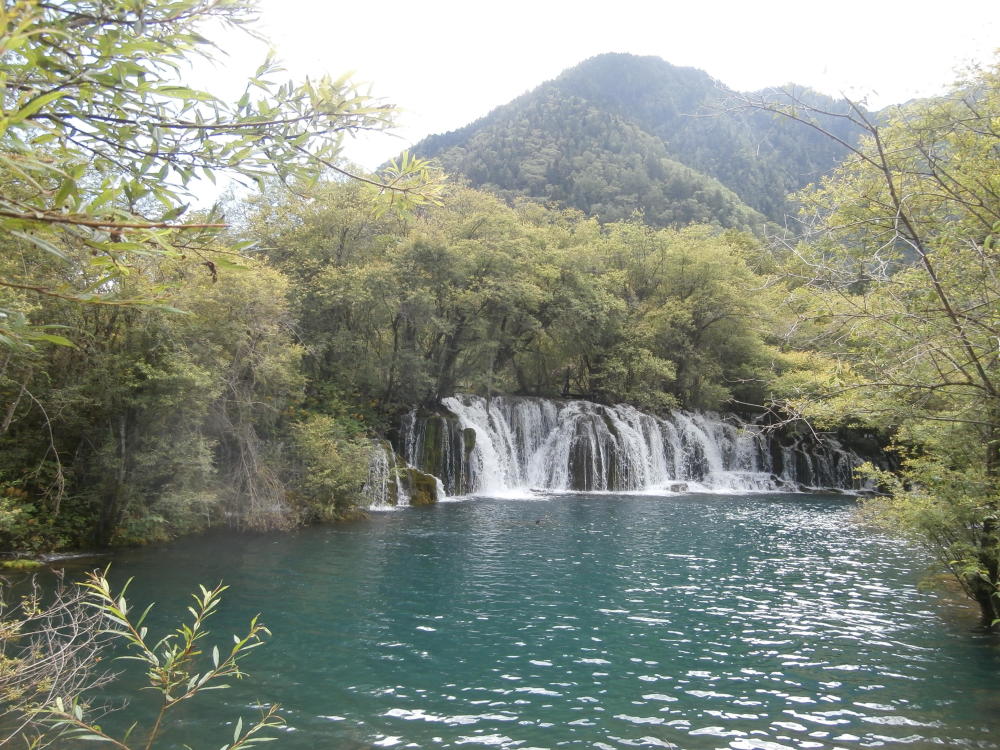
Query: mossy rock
422,487
430,457
352,514
22,564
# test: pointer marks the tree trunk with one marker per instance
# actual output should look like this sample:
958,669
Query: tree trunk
449,356
117,498
390,387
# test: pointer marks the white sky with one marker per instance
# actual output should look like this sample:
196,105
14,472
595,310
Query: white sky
445,63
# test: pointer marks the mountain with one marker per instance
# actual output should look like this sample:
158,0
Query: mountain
620,132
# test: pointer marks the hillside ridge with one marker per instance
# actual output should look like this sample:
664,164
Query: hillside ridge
619,133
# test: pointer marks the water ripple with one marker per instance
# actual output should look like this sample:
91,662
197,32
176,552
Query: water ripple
751,623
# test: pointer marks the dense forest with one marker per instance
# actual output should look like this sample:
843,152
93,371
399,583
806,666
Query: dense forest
342,318
162,372
619,132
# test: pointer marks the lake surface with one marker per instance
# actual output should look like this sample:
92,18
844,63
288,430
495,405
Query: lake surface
761,621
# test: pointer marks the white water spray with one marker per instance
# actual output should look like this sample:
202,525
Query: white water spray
504,444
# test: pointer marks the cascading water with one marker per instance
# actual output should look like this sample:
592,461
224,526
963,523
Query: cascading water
383,488
393,483
502,444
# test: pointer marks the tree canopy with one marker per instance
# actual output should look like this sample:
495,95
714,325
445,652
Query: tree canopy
101,144
899,284
620,132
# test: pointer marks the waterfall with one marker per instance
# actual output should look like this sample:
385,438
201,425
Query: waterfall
392,482
383,488
476,445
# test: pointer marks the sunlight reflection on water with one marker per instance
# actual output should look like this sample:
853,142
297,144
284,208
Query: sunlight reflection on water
600,621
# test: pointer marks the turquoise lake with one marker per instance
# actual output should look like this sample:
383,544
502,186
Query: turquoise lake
597,621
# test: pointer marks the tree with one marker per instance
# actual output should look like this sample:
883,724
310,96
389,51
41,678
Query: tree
702,310
177,668
480,297
153,424
100,144
900,279
101,147
50,647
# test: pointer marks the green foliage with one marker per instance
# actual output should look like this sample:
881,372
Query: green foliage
481,297
950,512
26,525
900,280
177,670
124,421
760,158
899,299
321,317
20,564
555,148
704,310
100,145
620,133
333,467
154,423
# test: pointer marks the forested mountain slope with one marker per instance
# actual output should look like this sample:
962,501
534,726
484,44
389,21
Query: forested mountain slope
620,132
